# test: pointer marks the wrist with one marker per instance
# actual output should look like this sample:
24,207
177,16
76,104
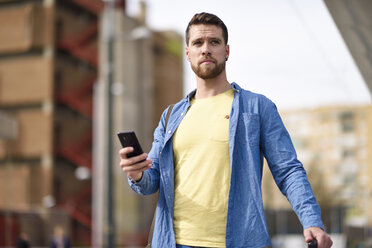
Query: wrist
136,179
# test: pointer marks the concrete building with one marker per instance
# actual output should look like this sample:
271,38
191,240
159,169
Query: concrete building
48,66
335,146
353,19
147,76
54,99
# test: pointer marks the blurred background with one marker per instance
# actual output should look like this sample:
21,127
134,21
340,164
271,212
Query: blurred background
73,73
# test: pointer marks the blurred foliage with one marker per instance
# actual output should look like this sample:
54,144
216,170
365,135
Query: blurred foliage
174,47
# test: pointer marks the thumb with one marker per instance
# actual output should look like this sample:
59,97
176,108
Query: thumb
308,235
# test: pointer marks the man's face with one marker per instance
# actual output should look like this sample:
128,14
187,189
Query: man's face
206,50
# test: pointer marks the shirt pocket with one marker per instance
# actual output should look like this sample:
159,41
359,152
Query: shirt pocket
252,128
219,128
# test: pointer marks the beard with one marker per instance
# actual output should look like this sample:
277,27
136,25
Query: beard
209,72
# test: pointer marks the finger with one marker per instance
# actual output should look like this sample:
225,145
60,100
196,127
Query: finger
135,174
324,241
135,163
124,162
138,167
137,159
124,151
330,242
308,235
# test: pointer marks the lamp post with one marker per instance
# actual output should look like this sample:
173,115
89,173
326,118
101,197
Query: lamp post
109,24
110,37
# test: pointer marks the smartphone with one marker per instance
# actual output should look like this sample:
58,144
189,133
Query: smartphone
130,139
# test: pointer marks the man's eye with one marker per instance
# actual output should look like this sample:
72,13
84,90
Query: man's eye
197,43
215,42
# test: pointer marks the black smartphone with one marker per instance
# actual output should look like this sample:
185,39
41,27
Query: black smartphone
130,139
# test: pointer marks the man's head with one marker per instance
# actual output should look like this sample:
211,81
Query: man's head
207,49
207,19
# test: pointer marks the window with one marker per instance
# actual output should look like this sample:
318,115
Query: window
347,121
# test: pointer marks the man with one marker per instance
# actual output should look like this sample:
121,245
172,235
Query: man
23,241
59,239
207,163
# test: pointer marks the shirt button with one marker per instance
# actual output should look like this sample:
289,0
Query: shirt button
169,131
182,114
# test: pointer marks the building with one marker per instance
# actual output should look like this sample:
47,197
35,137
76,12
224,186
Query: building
48,65
353,19
147,77
54,87
335,146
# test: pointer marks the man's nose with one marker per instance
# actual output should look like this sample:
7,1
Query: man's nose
206,49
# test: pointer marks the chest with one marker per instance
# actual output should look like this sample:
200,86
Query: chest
204,122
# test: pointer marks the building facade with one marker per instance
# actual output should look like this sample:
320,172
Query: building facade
335,146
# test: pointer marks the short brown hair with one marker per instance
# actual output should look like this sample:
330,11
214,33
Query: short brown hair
208,19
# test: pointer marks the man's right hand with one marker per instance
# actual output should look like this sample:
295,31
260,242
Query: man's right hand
134,166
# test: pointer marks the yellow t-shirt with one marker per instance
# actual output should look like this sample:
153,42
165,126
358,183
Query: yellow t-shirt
202,172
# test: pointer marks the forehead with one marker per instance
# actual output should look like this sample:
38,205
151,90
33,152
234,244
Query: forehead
205,31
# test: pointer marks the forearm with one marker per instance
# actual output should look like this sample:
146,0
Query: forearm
148,184
302,199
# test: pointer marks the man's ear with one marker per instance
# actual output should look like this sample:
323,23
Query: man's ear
227,52
187,53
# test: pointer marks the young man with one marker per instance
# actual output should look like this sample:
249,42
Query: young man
207,164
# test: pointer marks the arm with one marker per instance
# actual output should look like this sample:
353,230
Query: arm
288,172
144,177
290,176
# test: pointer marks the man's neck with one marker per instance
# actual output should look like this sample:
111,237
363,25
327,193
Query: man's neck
210,87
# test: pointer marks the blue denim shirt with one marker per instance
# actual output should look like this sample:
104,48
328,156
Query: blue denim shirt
255,131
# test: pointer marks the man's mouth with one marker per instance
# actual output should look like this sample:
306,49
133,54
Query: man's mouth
207,61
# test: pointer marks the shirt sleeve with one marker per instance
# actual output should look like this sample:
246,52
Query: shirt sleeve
288,172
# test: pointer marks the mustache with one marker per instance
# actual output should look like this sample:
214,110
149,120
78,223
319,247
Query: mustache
209,58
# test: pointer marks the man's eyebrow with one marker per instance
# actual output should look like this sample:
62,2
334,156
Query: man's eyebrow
198,38
208,38
215,38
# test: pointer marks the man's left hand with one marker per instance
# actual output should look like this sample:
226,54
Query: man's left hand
322,238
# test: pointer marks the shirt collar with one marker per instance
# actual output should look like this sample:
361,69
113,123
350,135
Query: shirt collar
234,86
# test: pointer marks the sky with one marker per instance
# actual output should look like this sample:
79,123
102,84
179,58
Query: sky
288,50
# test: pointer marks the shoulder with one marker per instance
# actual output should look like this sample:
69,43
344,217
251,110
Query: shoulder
256,102
250,95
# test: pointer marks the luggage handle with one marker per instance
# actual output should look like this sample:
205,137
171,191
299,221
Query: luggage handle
312,244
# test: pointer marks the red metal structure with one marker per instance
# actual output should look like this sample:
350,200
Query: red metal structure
81,47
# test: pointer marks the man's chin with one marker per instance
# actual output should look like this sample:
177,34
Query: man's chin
208,72
205,74
206,77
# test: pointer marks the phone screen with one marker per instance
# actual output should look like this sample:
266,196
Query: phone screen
130,139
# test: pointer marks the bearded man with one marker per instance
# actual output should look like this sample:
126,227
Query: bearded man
207,160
